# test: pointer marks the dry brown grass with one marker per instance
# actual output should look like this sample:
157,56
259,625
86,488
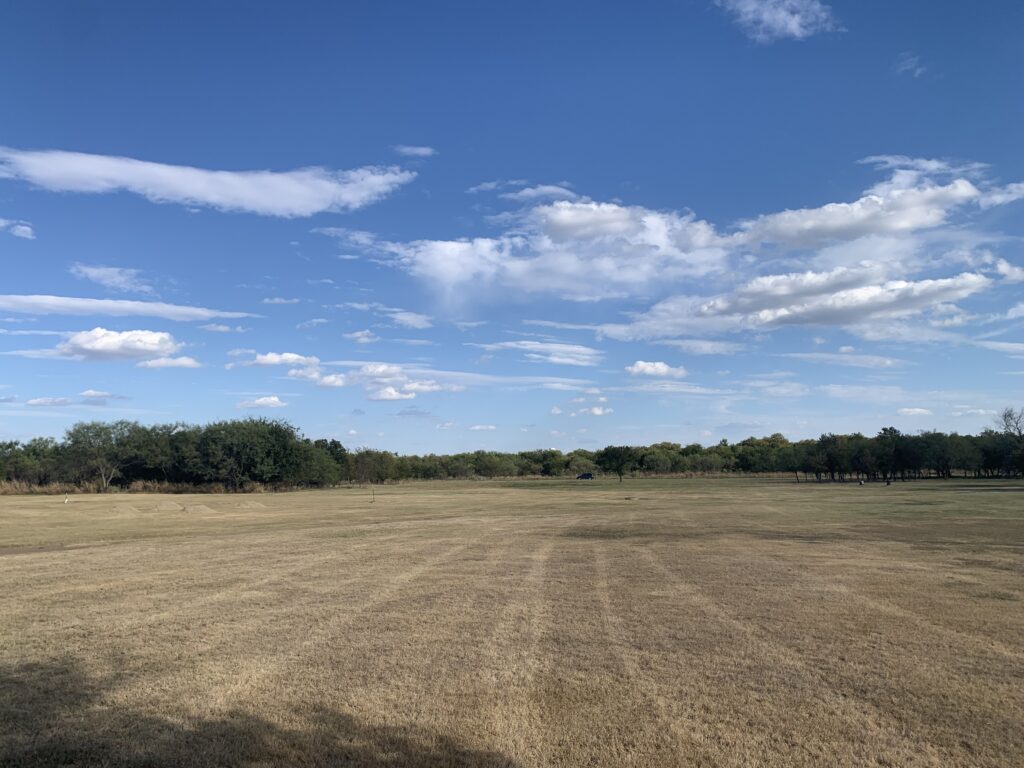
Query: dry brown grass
654,623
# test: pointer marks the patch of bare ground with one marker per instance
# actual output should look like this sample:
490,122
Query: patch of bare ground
653,623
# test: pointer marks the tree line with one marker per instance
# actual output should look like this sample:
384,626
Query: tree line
247,454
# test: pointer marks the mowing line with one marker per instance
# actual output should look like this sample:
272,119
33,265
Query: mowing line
882,721
630,659
258,672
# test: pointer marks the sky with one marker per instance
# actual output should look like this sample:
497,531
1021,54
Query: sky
437,227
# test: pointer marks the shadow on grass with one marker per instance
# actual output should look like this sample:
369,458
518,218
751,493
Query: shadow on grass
53,714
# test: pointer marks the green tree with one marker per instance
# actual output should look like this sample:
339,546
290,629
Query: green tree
619,459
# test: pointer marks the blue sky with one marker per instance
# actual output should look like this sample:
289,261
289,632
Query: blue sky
441,227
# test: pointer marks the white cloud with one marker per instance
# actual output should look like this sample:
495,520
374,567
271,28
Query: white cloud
581,250
659,369
914,412
103,344
390,393
284,358
482,428
548,351
49,401
966,410
1009,347
221,328
908,63
556,411
67,305
296,193
362,337
270,401
429,385
841,297
408,150
398,316
596,410
279,300
95,394
1002,195
1010,273
115,278
20,229
770,20
170,362
540,192
411,320
312,323
902,204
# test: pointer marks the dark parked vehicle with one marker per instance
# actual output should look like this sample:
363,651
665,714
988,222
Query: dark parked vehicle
585,476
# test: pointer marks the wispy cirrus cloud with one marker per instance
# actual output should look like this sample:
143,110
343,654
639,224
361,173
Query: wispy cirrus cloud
288,194
909,64
412,150
548,351
35,304
769,20
848,359
122,279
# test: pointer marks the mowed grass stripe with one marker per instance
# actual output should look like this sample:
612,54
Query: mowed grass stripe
263,670
834,720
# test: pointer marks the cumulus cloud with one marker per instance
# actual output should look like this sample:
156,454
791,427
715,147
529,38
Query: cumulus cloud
67,305
482,428
390,393
914,412
1010,273
904,203
52,401
769,20
288,194
95,394
171,362
116,278
841,297
280,300
659,369
548,351
581,250
103,344
270,401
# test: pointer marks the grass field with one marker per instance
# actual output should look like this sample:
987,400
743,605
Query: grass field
653,622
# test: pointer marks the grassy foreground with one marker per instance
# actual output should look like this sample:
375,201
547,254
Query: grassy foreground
653,622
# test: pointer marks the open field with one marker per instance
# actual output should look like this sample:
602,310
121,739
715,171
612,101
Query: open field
654,623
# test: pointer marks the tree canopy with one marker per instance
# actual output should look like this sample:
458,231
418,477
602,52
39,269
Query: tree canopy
244,454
